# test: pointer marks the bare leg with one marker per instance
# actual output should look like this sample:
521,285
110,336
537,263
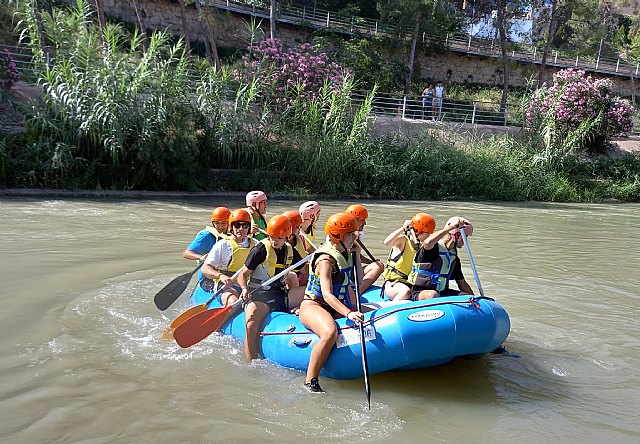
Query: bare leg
296,295
255,312
318,320
427,294
371,273
398,291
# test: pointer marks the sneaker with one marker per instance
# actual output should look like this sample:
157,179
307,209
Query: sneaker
313,386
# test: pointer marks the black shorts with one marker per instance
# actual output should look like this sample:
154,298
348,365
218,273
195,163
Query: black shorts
276,300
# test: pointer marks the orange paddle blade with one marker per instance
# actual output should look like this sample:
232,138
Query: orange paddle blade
187,314
200,326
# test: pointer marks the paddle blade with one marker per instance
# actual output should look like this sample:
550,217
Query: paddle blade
172,291
168,332
200,326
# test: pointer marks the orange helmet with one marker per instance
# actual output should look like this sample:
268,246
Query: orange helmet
294,217
423,223
279,226
358,211
338,225
239,215
220,214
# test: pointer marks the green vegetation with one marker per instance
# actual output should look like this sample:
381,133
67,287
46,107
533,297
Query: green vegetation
114,117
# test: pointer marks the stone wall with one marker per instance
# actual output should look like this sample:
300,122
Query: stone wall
231,31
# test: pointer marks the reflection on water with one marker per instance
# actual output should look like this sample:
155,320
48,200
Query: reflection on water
83,359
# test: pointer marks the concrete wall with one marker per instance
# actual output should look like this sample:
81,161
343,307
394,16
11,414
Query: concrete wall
231,31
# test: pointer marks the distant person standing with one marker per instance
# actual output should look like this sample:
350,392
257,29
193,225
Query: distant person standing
439,95
427,100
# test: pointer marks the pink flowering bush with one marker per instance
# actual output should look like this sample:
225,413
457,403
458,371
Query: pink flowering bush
575,99
8,71
287,75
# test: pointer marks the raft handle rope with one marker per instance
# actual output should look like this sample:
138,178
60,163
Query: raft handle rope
471,301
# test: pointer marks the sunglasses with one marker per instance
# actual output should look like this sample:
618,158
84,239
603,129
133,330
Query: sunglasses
241,225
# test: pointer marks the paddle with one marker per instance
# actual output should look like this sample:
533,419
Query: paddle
172,291
200,326
192,311
363,343
473,265
366,250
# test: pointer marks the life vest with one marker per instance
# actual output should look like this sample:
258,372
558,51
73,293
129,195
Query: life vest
216,234
436,274
340,282
239,255
300,246
399,268
311,235
270,267
261,223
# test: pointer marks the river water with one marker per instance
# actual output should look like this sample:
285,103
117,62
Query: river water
83,361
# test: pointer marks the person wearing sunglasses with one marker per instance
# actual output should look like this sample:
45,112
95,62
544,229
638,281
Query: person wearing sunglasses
436,263
227,256
269,257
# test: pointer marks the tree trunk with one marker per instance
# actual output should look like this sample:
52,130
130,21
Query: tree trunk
626,52
273,18
185,27
43,40
550,35
210,39
412,54
143,33
48,7
102,22
502,6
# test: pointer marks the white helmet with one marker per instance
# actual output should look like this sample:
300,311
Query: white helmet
310,208
468,228
255,197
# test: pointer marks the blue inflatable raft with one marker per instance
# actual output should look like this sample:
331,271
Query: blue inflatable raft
404,335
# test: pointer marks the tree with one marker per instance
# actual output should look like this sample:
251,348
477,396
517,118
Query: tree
501,6
143,33
550,34
185,27
210,35
273,18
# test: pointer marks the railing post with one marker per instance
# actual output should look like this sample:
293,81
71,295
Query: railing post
227,3
376,31
617,65
577,61
404,106
513,53
473,116
423,35
469,45
446,40
598,61
328,19
304,12
555,60
506,113
637,66
535,48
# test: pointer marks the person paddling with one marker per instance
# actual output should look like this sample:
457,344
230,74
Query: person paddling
205,239
437,262
227,256
257,206
396,284
372,269
327,295
270,256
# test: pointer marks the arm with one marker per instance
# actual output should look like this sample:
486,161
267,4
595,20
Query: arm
396,238
243,280
464,287
219,254
435,237
192,255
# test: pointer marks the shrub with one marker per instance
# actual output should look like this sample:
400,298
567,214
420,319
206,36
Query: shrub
576,100
8,71
288,74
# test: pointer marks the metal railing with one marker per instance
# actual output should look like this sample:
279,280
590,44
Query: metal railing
459,42
450,110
